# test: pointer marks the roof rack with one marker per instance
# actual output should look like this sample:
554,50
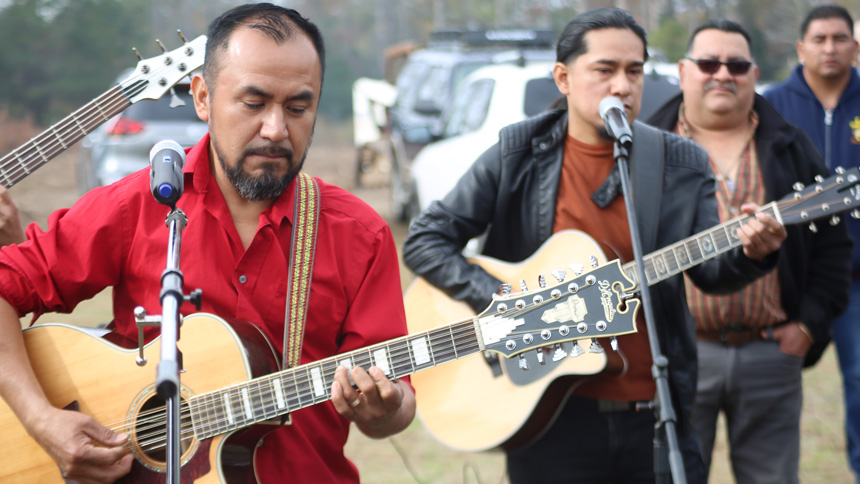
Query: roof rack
522,38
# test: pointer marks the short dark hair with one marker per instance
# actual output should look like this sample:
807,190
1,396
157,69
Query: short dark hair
722,24
826,12
278,23
571,43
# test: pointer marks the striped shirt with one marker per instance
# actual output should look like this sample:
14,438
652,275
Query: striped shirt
759,304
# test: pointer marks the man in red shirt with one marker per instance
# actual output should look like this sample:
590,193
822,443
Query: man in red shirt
259,93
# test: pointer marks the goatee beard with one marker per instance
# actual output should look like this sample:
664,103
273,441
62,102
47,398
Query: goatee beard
267,186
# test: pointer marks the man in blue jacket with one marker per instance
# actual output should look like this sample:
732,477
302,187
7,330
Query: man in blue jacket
822,97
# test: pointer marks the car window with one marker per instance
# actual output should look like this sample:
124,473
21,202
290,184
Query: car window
160,110
407,81
462,70
469,108
540,93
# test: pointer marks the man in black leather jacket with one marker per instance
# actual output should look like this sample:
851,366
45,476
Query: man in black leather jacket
522,190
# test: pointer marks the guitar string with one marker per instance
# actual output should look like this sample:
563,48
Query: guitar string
115,93
185,411
18,164
259,395
89,114
261,398
786,207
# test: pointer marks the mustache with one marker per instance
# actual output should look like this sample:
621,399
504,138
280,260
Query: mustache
270,151
713,84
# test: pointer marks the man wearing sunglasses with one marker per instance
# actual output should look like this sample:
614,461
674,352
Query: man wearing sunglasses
752,343
822,97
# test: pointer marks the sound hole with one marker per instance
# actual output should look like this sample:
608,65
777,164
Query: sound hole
150,432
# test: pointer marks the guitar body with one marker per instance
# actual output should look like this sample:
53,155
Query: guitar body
101,379
462,403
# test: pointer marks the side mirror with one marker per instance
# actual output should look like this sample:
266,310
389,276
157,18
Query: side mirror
427,107
420,135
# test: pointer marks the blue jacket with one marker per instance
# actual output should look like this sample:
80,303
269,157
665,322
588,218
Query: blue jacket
832,133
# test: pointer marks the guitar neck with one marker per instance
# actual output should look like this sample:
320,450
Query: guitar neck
677,258
276,394
42,148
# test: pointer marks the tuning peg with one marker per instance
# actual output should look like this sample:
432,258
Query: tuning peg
576,268
559,275
505,288
576,350
136,53
522,363
542,281
839,170
613,342
175,101
592,260
540,356
181,36
160,45
813,228
819,178
523,286
558,352
595,346
855,214
798,186
834,220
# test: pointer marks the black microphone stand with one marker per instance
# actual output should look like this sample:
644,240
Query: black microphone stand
664,430
170,363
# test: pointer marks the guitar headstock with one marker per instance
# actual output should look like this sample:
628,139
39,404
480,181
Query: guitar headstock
594,304
825,198
155,76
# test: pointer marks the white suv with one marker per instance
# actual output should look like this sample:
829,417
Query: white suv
485,102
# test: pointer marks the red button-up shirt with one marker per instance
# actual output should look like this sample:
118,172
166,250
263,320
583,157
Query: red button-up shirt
116,236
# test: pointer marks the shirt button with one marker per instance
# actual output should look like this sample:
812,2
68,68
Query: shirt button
243,279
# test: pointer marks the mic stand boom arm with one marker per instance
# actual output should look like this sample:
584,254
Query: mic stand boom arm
665,431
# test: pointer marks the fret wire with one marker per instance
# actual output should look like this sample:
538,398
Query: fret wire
672,266
24,155
260,396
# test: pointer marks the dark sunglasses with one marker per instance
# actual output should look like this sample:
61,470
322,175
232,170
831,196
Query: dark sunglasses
711,66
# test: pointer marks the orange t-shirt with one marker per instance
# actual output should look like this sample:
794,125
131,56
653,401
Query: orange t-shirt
583,171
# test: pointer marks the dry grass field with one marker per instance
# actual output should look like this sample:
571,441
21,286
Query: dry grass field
415,456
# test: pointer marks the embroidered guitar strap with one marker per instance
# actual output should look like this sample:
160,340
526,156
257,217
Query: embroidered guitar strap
305,221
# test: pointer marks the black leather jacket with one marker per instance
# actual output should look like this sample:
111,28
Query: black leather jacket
814,268
510,193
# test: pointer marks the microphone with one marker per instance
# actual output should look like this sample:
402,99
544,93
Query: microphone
166,160
612,111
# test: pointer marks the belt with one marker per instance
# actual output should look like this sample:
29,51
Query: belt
732,335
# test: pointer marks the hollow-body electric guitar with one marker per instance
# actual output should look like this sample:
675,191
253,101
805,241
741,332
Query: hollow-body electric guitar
509,407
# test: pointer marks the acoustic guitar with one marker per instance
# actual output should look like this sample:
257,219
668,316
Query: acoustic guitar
509,407
230,386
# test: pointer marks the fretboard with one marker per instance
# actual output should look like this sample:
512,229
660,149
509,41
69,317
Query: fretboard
276,394
25,159
679,257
